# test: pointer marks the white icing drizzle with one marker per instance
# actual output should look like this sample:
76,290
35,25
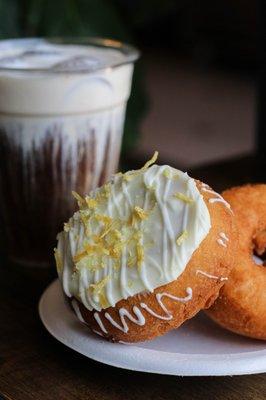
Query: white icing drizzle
140,320
142,294
159,261
99,321
221,242
217,199
159,297
97,332
221,278
127,343
77,311
154,314
223,239
223,236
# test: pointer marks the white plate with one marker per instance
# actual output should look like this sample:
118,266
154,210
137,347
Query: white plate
199,347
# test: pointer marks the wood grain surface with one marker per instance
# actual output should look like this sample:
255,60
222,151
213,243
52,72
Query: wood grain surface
33,365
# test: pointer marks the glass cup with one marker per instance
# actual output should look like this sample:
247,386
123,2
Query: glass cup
62,110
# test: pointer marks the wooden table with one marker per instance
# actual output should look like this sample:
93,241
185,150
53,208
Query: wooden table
33,365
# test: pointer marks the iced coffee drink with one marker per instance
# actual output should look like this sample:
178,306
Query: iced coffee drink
62,110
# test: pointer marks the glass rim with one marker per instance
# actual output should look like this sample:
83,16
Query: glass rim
131,53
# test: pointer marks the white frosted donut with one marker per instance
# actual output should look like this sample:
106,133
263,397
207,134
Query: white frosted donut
145,252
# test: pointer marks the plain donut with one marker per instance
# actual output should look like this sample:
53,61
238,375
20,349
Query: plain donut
241,306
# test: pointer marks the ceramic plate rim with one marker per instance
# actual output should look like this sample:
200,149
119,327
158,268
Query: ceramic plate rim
177,362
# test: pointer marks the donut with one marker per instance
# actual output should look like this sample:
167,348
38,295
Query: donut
241,306
145,252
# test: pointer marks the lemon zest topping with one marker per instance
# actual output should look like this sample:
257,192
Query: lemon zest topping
140,213
183,197
137,235
89,264
151,161
151,187
181,238
58,260
103,218
116,249
105,251
103,300
85,220
139,248
103,193
109,228
128,177
132,260
98,290
140,254
91,203
167,173
91,249
117,234
79,256
77,196
66,227
107,190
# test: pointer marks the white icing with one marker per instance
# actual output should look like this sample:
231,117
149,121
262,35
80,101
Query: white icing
217,199
127,343
99,322
98,332
162,261
159,297
154,314
224,236
223,239
221,242
123,312
221,278
140,319
77,311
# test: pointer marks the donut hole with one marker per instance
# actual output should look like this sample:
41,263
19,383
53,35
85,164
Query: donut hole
259,260
259,250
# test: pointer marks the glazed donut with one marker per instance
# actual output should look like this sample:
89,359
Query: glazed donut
241,306
145,252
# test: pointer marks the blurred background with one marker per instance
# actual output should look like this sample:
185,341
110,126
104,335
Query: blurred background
194,88
194,99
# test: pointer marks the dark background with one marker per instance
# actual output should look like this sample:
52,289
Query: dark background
194,99
211,38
